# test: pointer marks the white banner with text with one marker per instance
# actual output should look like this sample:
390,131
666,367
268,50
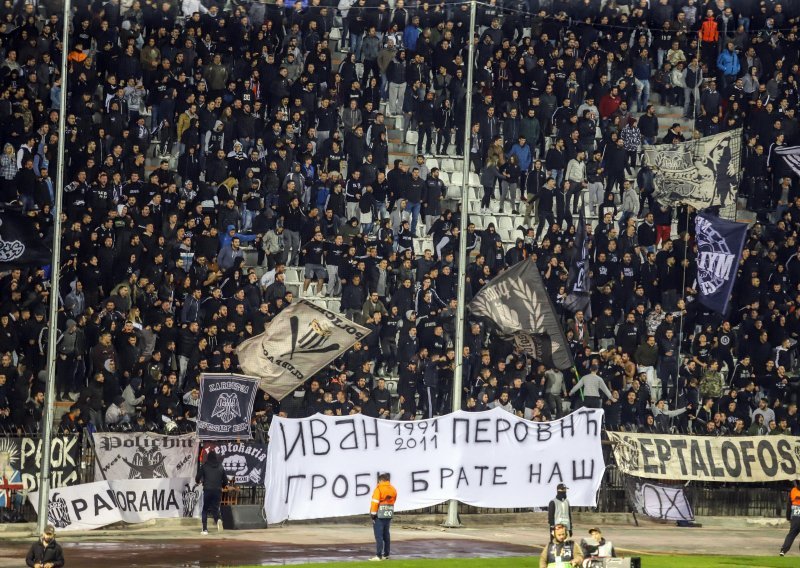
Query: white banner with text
327,466
102,503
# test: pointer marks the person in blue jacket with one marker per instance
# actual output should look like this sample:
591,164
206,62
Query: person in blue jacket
728,64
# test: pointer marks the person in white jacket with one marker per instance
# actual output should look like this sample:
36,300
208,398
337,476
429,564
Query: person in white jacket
189,7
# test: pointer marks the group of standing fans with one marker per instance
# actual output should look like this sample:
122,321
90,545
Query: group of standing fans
202,134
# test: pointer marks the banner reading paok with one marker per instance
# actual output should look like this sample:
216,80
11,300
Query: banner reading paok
144,455
226,406
21,461
327,466
300,341
748,459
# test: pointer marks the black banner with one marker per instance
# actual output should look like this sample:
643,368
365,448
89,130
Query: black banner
226,404
21,460
517,304
719,249
20,243
579,283
245,463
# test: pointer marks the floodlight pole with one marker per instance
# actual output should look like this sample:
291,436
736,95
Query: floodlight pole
458,379
55,274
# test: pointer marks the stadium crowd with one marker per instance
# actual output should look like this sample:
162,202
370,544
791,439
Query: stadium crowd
213,147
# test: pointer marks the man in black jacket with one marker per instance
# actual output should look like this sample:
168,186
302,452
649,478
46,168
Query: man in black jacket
46,552
212,476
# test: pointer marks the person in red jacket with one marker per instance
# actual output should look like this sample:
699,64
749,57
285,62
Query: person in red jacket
793,516
709,38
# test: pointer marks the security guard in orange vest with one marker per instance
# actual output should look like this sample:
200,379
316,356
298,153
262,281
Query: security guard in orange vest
382,511
793,516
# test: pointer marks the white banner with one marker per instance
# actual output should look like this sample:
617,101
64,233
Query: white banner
301,340
741,459
94,505
665,502
327,466
144,455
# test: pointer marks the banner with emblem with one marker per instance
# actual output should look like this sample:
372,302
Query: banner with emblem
518,307
20,242
225,406
21,461
701,173
741,459
300,341
719,250
244,462
144,455
94,505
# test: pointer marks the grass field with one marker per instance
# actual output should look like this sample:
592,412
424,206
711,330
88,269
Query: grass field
531,561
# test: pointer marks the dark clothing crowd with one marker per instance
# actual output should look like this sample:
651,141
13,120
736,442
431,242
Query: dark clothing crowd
214,149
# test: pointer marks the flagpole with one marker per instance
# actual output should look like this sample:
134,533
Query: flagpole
683,297
55,274
458,379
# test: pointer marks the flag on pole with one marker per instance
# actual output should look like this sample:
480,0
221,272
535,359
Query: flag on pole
20,243
579,284
719,245
301,340
790,155
702,173
518,306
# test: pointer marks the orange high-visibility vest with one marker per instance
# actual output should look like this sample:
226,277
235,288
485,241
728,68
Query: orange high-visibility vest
384,494
709,31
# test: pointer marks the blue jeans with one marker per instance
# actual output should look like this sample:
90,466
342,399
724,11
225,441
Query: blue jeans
643,96
414,208
382,540
355,45
557,175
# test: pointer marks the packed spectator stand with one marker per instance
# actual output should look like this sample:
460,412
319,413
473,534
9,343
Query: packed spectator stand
227,158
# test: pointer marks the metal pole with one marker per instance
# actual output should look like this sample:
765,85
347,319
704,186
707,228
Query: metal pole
55,273
683,298
452,507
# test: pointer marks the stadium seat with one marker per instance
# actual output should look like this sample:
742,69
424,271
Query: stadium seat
474,179
489,219
448,165
412,137
478,220
336,34
432,163
474,207
335,305
444,176
506,223
457,179
453,192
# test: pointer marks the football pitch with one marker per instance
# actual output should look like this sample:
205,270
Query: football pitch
665,561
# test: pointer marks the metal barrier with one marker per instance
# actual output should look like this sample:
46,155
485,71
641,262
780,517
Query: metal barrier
707,499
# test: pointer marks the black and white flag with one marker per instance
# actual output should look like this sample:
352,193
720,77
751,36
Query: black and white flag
702,173
20,243
245,463
300,341
719,249
225,407
791,155
579,283
143,455
665,502
517,304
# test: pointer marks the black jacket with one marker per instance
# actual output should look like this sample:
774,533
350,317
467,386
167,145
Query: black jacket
212,476
39,554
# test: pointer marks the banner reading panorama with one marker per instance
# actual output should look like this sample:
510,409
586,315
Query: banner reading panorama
749,459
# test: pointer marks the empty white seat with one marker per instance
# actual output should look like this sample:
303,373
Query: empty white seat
412,137
474,179
448,165
487,219
445,177
457,179
335,34
506,223
432,163
454,192
478,220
